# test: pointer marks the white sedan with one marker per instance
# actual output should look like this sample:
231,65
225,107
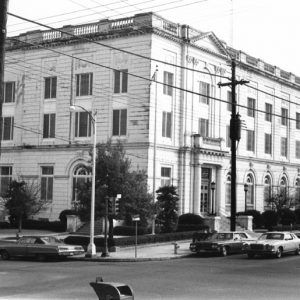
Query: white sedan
274,243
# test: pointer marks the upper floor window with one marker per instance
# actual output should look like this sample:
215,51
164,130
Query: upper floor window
7,126
204,92
84,84
83,124
9,91
119,122
50,87
297,120
47,183
168,83
49,126
268,143
250,140
165,176
203,127
284,116
251,107
120,81
228,139
297,149
166,124
5,179
268,115
283,147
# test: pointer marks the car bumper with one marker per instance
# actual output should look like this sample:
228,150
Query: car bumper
194,248
261,252
70,253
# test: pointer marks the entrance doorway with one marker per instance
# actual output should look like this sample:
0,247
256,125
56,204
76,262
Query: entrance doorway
205,190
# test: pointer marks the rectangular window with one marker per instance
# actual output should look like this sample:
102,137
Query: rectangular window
50,87
298,149
168,83
83,124
9,92
268,115
268,143
229,100
283,148
166,124
204,92
297,120
250,140
228,139
84,84
49,126
7,126
119,122
5,179
47,183
165,176
251,107
120,81
284,116
203,127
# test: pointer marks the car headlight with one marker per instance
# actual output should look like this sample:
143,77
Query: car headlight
269,247
60,249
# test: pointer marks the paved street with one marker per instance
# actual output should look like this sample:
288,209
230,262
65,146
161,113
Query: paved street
232,277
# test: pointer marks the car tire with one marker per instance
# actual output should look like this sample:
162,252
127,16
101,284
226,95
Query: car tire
224,251
250,255
278,253
4,255
297,252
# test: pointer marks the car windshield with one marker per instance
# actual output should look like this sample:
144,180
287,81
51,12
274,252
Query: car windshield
51,240
272,236
222,236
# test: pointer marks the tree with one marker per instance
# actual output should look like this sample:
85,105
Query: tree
167,199
114,176
280,200
23,199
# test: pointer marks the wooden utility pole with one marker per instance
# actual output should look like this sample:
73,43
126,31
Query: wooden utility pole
3,21
235,135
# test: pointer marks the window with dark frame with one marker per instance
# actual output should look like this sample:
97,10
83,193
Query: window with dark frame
5,179
168,83
283,147
9,92
284,116
251,107
7,126
298,149
268,143
83,124
268,114
204,92
228,139
47,183
120,81
297,120
250,140
119,122
166,124
50,87
203,127
84,84
165,176
49,126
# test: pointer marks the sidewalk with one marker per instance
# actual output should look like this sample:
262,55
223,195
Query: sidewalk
145,252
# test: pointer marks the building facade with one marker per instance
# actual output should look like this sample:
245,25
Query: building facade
154,86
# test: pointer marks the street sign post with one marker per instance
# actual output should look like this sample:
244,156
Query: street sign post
135,218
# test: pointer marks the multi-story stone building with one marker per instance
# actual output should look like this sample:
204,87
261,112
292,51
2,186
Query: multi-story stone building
176,127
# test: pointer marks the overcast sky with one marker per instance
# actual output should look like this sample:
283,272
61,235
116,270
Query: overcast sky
266,29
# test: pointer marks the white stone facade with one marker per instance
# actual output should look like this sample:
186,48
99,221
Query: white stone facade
158,124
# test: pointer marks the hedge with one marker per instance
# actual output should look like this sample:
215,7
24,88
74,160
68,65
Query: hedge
129,230
56,226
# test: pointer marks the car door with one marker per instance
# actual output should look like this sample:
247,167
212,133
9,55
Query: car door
20,247
237,243
289,243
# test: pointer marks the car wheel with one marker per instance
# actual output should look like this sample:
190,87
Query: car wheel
224,251
251,255
297,252
41,257
278,253
4,255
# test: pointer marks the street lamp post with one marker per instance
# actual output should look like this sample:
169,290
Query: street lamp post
213,187
91,250
246,190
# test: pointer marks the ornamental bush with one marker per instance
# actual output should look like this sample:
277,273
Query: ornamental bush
270,219
190,222
286,216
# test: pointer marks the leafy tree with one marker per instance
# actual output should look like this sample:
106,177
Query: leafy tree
114,176
167,199
280,200
23,200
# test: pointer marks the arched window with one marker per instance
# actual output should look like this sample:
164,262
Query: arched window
81,176
228,193
250,193
283,187
267,192
297,193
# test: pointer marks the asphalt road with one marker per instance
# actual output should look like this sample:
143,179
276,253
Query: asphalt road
232,277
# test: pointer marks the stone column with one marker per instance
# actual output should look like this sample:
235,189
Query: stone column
197,176
220,192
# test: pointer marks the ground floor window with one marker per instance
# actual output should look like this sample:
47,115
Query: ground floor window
81,177
5,179
47,183
250,193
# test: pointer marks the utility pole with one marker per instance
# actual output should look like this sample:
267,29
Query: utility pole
235,135
3,21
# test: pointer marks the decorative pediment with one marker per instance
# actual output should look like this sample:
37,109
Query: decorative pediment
210,42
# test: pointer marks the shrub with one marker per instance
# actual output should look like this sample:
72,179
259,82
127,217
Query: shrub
258,220
64,213
270,219
190,222
297,215
5,225
129,230
286,216
56,226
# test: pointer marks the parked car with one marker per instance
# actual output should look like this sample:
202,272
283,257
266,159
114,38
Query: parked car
222,243
274,243
40,247
297,233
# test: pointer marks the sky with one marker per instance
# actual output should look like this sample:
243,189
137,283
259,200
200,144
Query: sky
265,29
